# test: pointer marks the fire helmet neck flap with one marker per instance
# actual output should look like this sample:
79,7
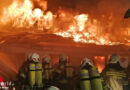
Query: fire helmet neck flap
35,57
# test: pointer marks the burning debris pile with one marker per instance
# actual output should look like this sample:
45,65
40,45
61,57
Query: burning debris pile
81,27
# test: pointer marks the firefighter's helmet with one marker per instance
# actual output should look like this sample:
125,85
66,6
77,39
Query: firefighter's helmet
85,61
63,58
53,88
114,58
35,57
46,59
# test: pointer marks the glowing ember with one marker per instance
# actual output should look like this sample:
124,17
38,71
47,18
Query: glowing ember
80,27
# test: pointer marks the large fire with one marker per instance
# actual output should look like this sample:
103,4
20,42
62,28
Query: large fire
79,27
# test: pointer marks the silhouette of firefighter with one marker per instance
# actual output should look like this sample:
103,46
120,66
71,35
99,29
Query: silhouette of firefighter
30,74
41,75
64,73
114,75
47,71
90,78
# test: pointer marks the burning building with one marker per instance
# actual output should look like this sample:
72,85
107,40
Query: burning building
55,27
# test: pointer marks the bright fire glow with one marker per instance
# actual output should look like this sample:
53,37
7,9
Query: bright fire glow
23,15
81,19
38,13
79,27
99,62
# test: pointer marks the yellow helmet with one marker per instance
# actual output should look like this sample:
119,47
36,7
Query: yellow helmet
46,59
85,61
63,58
35,57
114,58
53,88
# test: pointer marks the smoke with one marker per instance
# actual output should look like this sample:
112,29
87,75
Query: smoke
115,6
110,14
93,7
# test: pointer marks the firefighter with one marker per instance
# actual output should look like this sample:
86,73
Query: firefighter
64,73
90,78
47,69
64,67
86,64
31,72
23,74
128,76
114,75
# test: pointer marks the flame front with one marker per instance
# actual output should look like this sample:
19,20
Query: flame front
23,15
80,27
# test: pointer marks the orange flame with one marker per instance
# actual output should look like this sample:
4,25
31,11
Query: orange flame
99,62
80,27
81,19
23,15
